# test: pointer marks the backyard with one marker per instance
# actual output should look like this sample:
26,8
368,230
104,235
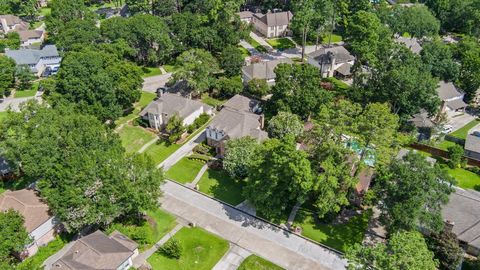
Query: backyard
335,38
27,93
151,71
281,43
463,132
207,99
465,179
220,185
133,138
36,261
185,170
254,262
145,99
3,115
200,251
339,237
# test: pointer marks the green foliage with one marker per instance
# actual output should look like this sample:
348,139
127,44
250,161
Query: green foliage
468,51
279,177
35,262
171,249
81,188
231,61
284,125
438,58
13,235
7,74
258,87
412,194
458,16
455,155
445,247
198,122
11,41
24,77
64,11
404,250
254,262
228,87
239,155
175,128
17,7
76,34
418,21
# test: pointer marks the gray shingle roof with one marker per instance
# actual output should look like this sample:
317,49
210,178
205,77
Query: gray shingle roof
32,56
411,43
265,70
171,104
403,152
13,20
447,90
245,14
421,120
241,103
275,19
472,143
341,55
237,124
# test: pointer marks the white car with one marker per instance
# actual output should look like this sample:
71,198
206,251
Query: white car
447,129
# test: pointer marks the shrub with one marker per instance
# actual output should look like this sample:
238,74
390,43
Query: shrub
172,249
455,154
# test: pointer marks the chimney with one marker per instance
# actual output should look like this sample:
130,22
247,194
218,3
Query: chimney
160,92
449,225
262,121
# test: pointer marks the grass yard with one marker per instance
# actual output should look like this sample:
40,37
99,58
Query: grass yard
256,45
200,251
161,150
254,262
220,185
170,68
339,237
145,99
245,52
133,138
3,115
185,170
151,71
36,261
44,11
444,145
148,231
465,179
27,93
207,99
335,38
463,132
281,43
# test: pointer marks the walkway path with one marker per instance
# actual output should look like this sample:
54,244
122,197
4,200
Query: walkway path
163,70
260,40
142,257
199,175
232,259
281,247
182,151
141,150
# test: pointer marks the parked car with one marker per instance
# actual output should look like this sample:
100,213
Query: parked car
447,129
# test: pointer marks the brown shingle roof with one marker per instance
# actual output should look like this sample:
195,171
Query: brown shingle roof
28,204
275,19
265,70
29,34
341,55
171,104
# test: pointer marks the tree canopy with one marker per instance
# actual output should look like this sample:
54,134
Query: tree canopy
284,125
239,156
13,235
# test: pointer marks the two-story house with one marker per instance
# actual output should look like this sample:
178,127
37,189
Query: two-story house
272,25
263,70
159,111
238,118
451,97
11,23
39,223
333,61
42,62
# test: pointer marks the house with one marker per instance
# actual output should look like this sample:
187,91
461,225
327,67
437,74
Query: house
39,223
245,16
42,62
472,145
410,43
238,118
263,70
159,111
462,215
31,37
11,23
403,152
451,97
272,25
424,124
333,61
98,251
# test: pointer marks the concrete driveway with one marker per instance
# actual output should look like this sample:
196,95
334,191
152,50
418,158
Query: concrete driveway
151,84
182,151
14,103
458,121
281,247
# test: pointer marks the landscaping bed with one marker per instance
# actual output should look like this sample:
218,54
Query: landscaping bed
185,170
220,185
134,138
340,237
281,43
254,262
200,250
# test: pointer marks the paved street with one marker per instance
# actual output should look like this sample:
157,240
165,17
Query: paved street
14,103
276,245
151,84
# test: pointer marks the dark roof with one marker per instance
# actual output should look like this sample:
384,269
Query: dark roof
422,120
411,43
456,104
324,55
472,143
4,166
32,56
275,19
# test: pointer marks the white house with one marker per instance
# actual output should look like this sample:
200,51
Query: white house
159,111
42,62
12,23
451,97
263,70
98,251
334,61
272,25
39,223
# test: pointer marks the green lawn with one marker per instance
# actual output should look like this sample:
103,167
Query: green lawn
3,115
463,132
151,71
256,45
27,93
281,43
133,138
335,38
44,11
465,179
146,232
254,262
200,251
43,253
170,68
245,52
145,99
207,99
185,170
444,145
161,150
220,185
339,237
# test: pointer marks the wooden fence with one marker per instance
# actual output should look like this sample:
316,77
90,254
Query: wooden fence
442,153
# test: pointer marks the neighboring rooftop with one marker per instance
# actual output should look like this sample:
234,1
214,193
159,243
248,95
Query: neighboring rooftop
324,55
411,43
242,103
447,90
171,104
97,251
32,56
265,70
30,34
403,152
422,120
237,124
245,14
28,204
472,143
12,20
275,19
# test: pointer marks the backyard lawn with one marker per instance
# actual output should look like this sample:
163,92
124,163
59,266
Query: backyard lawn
36,261
3,115
170,68
200,251
157,224
207,99
444,145
465,179
463,132
256,45
145,99
335,38
27,93
151,71
185,170
160,150
254,262
133,138
281,43
220,185
339,237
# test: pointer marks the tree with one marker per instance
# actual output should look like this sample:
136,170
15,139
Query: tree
284,125
81,167
279,178
231,61
239,156
469,78
446,248
64,11
98,83
77,34
11,41
438,58
18,7
258,87
458,16
418,21
7,74
175,128
196,66
24,77
297,90
13,235
404,250
229,87
172,249
455,155
413,192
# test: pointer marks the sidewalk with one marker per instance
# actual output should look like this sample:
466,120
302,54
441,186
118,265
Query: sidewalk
232,259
